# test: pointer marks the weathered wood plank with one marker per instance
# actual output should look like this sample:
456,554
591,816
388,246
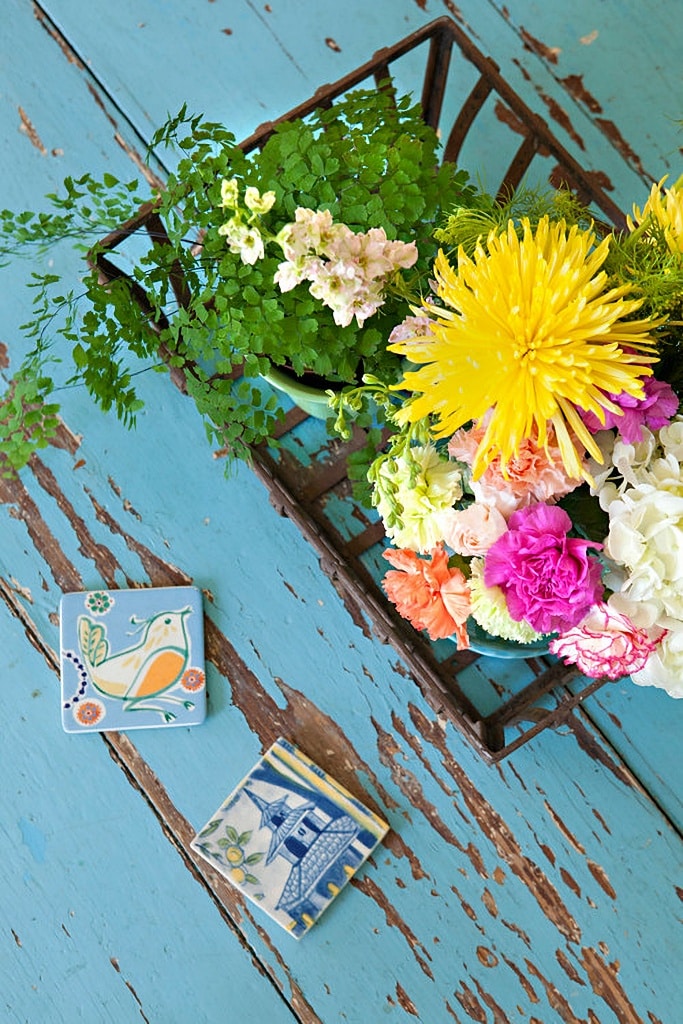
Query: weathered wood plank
550,878
541,890
100,917
599,75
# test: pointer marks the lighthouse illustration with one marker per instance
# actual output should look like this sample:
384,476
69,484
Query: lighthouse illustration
319,847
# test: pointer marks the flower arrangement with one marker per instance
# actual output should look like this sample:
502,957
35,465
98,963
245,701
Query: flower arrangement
527,362
533,483
275,257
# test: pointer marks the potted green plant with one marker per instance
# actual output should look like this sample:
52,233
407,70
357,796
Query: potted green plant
299,256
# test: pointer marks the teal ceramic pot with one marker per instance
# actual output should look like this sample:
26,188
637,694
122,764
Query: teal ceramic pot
482,642
313,401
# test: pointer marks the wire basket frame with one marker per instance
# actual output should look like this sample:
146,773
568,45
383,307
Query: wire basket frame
546,693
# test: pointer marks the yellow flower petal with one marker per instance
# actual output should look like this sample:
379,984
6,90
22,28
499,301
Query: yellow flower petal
528,336
665,207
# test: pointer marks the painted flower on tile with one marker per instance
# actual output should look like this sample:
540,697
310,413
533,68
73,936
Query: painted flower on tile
89,712
233,846
192,680
99,602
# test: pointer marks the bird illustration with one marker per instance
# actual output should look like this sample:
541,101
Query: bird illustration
147,669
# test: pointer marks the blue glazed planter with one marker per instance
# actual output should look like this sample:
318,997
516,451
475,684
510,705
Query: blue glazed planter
482,642
313,401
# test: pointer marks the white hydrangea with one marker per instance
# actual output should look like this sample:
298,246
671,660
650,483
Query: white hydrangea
664,667
671,438
646,537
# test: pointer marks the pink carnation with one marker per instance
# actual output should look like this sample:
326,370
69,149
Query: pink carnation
655,410
411,328
547,577
604,643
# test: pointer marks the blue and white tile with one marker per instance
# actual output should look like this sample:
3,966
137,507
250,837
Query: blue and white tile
290,837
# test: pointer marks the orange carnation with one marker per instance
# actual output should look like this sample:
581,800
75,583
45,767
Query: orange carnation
428,593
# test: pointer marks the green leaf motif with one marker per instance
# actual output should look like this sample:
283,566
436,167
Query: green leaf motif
210,828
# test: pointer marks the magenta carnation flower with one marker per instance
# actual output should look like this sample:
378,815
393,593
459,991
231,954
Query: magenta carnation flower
548,578
654,410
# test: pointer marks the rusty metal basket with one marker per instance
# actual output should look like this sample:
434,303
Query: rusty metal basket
498,705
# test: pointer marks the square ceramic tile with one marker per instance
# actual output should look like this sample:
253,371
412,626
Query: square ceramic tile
132,659
290,837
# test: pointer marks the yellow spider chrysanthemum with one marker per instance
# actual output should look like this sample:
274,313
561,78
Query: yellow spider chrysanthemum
530,336
666,209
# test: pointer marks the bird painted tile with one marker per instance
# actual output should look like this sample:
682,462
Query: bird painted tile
132,659
290,837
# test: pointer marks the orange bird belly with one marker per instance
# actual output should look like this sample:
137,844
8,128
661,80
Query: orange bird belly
162,672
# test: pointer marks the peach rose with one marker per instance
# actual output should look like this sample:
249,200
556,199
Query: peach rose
472,530
429,594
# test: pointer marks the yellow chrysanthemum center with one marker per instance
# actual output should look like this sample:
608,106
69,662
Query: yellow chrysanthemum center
529,336
665,207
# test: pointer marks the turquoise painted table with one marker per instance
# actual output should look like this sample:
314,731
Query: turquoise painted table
546,888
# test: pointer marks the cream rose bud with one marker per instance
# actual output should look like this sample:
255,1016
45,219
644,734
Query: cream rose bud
664,667
472,530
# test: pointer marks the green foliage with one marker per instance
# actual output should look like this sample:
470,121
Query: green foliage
589,520
369,159
27,419
643,260
473,219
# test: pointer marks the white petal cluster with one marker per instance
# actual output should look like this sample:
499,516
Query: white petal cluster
645,540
